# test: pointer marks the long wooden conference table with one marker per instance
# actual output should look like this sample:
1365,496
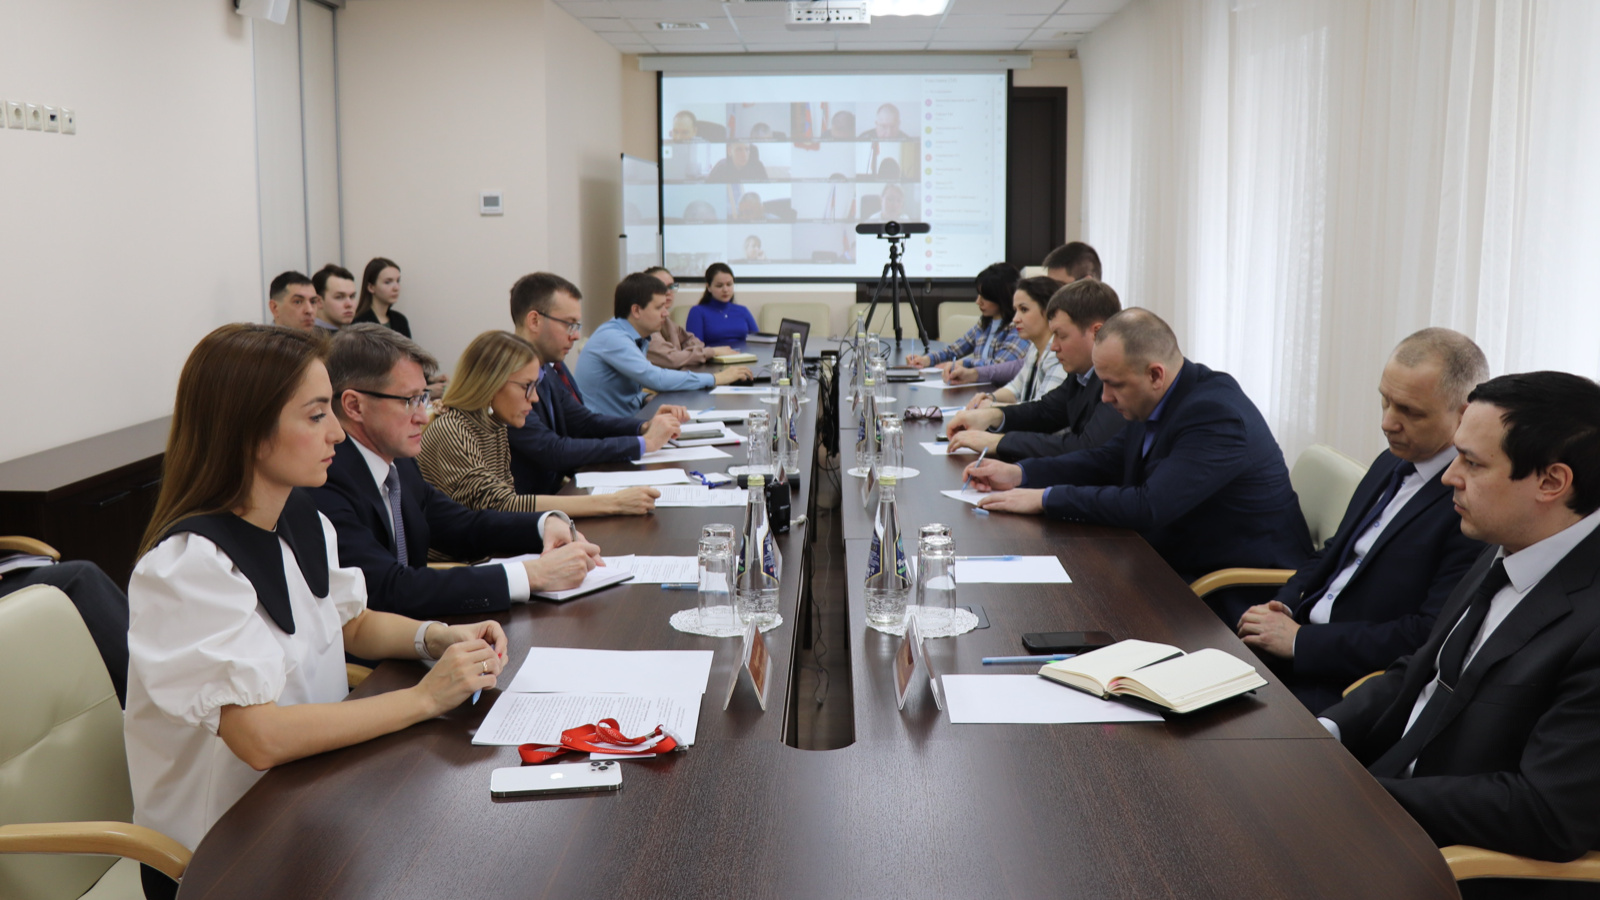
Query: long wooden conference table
1250,798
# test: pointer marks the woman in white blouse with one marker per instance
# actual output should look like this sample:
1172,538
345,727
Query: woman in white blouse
1041,372
239,612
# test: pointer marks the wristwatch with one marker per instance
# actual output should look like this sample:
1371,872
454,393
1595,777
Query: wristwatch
420,642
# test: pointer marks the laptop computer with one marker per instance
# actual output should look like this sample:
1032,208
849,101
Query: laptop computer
787,329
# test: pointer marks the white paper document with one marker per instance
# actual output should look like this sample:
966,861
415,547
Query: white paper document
540,718
631,479
942,448
932,370
966,496
689,495
681,454
937,385
643,672
1029,700
721,415
744,389
1012,570
658,569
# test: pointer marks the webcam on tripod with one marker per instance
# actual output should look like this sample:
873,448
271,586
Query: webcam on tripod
893,229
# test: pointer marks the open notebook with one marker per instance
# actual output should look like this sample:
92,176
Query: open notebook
1157,673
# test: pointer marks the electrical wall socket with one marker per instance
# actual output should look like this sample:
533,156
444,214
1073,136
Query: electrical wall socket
14,117
33,116
52,119
69,121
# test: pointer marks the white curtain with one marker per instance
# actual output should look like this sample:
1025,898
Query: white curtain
1297,184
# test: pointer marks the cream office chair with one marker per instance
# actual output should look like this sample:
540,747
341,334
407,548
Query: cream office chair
1325,480
818,315
952,325
882,323
680,313
65,802
16,543
1467,862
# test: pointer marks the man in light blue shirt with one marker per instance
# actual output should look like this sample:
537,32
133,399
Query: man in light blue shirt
614,370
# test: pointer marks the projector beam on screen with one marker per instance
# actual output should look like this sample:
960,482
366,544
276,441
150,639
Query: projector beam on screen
772,174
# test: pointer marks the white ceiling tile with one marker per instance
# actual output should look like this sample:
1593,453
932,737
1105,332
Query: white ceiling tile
1094,6
1076,22
972,45
992,7
589,9
684,38
975,35
876,34
992,22
603,26
667,9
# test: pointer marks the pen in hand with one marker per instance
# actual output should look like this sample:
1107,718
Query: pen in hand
967,482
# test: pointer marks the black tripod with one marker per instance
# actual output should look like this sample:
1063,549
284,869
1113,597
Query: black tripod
894,274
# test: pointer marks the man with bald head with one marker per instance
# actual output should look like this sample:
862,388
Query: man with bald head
1196,472
1371,595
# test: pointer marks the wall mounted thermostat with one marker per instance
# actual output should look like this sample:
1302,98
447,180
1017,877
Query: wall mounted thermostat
489,204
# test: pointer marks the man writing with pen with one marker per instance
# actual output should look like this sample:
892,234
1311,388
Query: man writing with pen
1197,472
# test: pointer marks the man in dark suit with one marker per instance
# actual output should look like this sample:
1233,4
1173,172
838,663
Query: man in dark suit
1488,734
388,517
562,434
1071,416
1370,596
1196,472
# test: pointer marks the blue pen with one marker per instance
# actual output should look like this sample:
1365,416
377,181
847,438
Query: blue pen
702,478
1024,660
475,696
680,586
987,558
967,482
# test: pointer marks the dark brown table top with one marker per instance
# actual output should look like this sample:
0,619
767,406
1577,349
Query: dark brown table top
1247,799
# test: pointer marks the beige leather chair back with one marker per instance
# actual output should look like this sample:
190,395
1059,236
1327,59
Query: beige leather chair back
952,324
1034,271
819,315
680,310
882,323
61,750
1325,479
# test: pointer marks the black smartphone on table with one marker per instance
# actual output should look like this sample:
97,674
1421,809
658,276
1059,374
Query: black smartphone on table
1043,642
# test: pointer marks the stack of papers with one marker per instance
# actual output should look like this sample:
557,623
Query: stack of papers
721,415
1011,570
658,569
558,688
631,479
706,434
689,495
942,448
680,454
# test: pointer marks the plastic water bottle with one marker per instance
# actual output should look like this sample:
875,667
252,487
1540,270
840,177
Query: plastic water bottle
888,577
755,582
797,367
867,426
787,445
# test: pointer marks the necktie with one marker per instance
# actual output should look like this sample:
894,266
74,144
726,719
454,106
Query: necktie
391,487
1373,512
1451,658
562,371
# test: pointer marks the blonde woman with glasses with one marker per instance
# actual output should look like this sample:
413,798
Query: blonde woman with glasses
466,452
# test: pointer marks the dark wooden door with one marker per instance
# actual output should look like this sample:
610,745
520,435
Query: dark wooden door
1036,173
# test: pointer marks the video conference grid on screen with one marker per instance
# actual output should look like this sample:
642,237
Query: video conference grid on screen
772,173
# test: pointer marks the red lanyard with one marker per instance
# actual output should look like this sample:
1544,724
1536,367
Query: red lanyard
603,737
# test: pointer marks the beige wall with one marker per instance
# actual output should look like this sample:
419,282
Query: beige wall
638,110
126,243
1055,68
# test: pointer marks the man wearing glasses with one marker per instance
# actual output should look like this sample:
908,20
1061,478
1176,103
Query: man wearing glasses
673,347
561,433
388,517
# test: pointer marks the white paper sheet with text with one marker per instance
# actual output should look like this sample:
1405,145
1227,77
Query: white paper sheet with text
941,448
967,496
1014,570
644,672
1029,700
689,495
658,569
680,454
540,718
631,479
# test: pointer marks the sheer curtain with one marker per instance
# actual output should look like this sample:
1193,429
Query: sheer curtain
1297,184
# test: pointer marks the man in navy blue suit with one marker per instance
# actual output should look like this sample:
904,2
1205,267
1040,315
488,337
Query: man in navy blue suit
561,433
1370,596
1196,472
388,517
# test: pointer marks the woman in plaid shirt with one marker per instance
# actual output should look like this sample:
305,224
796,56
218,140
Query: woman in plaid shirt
993,339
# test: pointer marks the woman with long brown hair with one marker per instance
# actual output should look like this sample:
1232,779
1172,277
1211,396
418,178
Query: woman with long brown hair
240,614
380,291
466,451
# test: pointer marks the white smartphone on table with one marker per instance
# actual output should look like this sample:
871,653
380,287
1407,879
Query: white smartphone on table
566,778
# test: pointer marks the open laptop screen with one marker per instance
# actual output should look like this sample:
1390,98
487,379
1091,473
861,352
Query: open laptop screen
786,331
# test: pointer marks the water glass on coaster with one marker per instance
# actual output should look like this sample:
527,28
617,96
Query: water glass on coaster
891,446
936,580
758,450
716,579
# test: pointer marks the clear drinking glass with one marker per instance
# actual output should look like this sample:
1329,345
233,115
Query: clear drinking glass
891,445
718,529
716,579
879,372
759,447
936,580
